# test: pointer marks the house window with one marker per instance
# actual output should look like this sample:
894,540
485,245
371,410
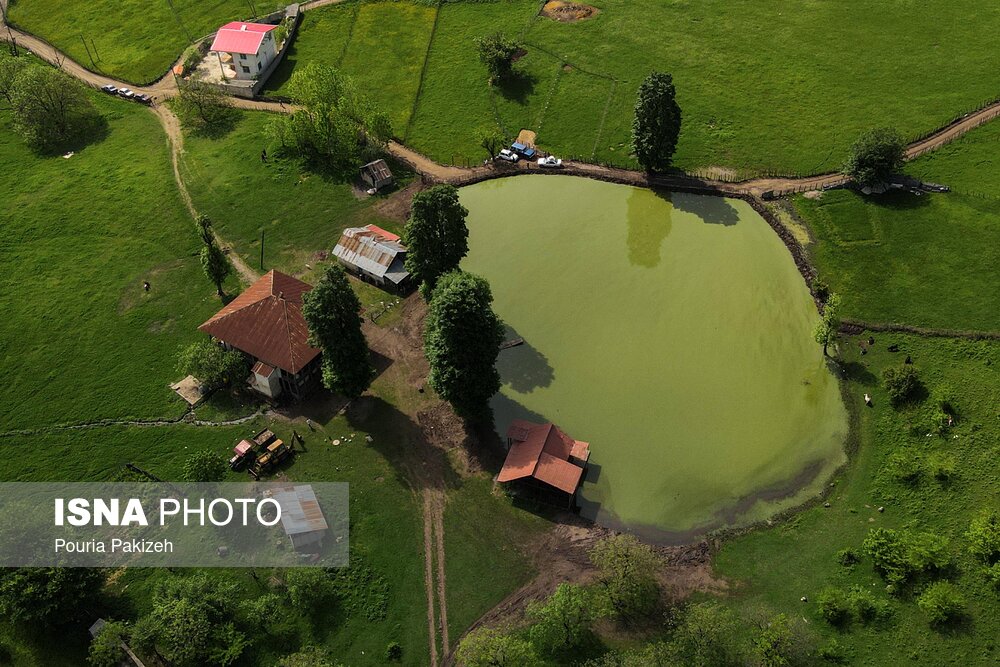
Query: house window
246,70
243,56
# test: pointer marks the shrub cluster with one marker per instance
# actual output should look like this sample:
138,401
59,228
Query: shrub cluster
901,384
901,556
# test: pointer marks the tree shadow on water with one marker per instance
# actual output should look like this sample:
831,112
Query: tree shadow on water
712,210
522,367
649,224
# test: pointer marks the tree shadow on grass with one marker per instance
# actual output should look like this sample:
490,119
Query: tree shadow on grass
898,200
92,130
517,87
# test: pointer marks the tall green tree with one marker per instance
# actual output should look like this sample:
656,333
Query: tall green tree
202,106
332,311
51,110
627,575
488,648
213,365
496,53
563,621
875,156
436,236
47,595
216,265
825,332
203,224
657,123
461,341
492,139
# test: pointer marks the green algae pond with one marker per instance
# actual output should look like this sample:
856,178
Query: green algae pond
673,332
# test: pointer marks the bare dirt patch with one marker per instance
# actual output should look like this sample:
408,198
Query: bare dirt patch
568,12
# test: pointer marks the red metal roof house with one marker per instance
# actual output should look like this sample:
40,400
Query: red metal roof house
265,322
543,453
247,47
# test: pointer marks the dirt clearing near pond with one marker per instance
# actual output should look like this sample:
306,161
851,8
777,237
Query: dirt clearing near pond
568,12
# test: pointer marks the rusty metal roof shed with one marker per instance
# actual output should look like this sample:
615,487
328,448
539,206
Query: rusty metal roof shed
366,249
300,511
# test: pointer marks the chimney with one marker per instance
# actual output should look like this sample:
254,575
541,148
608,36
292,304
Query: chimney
243,27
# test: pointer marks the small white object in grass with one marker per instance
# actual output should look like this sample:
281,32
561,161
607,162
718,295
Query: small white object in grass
69,155
368,438
336,442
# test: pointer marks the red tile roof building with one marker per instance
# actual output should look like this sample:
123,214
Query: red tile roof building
543,452
266,323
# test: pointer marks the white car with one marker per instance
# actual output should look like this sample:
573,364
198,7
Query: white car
507,155
551,162
126,93
109,89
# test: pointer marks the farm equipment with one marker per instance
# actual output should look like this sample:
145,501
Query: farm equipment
242,453
272,452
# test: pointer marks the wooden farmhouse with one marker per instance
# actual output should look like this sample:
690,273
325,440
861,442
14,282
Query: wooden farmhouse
544,462
265,322
374,255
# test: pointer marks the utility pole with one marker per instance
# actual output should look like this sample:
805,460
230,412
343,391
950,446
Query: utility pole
89,55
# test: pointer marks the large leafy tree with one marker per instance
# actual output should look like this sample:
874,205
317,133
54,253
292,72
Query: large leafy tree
216,265
492,139
875,156
51,110
563,621
496,53
627,575
204,466
334,125
212,364
331,310
462,340
488,648
436,236
826,329
202,106
10,67
46,595
657,122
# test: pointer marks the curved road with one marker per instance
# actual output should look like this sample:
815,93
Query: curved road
166,87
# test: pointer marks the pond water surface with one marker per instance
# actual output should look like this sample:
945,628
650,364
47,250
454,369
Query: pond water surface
672,332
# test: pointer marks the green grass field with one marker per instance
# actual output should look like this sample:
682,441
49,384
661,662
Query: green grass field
132,40
90,229
774,568
922,260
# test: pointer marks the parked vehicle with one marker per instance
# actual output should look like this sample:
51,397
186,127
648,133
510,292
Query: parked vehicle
507,156
109,89
126,93
524,151
242,453
143,98
549,162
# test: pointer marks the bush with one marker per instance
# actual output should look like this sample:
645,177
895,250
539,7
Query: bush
875,156
834,607
866,608
906,466
984,537
899,556
833,652
393,652
848,557
993,575
309,589
942,602
941,466
204,467
901,384
820,288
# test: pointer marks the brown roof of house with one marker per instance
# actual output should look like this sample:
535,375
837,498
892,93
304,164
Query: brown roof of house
542,451
266,322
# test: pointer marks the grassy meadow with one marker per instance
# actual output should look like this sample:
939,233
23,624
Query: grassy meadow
956,479
131,40
928,260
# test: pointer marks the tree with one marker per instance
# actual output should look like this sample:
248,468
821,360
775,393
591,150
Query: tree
202,106
488,648
780,644
436,236
213,365
492,139
332,123
216,265
10,68
190,623
309,589
51,110
901,384
204,466
627,575
331,310
707,635
899,556
311,656
984,537
461,341
826,329
657,122
47,595
563,621
496,53
875,156
942,602
204,226
106,647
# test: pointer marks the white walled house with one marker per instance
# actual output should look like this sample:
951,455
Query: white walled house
245,49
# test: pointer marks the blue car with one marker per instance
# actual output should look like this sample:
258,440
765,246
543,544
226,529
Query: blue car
523,151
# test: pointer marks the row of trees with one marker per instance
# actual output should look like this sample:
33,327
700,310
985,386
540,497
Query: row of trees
51,110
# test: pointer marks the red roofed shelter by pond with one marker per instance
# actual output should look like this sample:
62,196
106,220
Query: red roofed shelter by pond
249,46
544,457
265,322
